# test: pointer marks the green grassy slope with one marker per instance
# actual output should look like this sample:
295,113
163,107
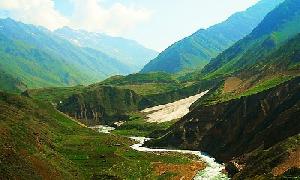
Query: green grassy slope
10,83
38,142
276,68
274,31
144,84
196,50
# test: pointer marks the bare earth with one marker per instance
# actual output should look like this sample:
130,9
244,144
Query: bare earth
292,161
181,171
171,111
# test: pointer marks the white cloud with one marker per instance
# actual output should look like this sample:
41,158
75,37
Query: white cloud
89,15
38,12
93,16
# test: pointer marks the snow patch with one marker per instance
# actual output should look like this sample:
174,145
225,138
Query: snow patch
171,111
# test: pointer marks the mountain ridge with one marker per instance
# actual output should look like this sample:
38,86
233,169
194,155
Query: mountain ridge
127,51
278,26
197,50
39,58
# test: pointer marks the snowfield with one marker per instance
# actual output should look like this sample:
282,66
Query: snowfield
171,111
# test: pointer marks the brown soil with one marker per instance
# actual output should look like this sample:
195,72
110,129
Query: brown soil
292,161
180,171
232,84
43,169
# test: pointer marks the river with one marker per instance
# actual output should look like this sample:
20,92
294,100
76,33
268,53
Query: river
163,113
213,171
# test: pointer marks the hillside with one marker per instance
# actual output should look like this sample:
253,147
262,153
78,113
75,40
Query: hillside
101,105
197,50
38,142
119,97
11,84
274,31
129,52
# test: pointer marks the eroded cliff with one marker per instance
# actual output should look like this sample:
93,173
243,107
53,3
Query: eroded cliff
234,128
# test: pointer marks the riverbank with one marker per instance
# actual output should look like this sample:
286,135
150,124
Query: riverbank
213,170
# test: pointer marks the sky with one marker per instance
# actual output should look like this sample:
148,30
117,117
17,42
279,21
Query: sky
156,24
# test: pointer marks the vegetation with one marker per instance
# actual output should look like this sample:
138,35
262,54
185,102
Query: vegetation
52,145
144,84
278,27
267,84
10,83
38,141
55,94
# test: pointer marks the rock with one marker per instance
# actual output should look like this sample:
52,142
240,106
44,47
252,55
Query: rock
231,169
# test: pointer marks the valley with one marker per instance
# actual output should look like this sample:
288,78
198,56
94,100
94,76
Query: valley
57,147
221,103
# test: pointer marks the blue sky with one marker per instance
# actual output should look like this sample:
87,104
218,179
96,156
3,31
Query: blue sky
154,23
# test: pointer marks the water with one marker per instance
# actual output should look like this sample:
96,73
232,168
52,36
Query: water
213,171
103,129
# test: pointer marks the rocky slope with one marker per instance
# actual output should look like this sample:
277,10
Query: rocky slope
101,105
240,126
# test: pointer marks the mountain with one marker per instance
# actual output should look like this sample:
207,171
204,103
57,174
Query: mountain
274,31
126,51
196,50
39,58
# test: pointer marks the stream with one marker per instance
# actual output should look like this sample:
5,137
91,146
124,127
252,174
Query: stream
213,171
